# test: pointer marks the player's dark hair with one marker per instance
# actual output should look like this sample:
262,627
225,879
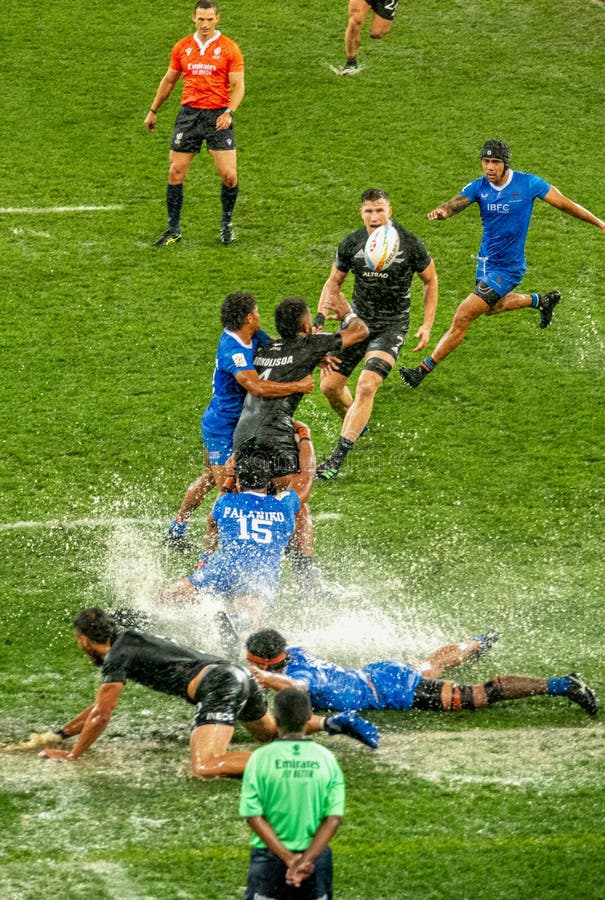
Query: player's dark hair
268,644
496,149
253,470
289,315
374,194
206,4
235,309
95,624
292,709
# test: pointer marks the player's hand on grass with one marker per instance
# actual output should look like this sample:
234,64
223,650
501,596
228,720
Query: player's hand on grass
49,753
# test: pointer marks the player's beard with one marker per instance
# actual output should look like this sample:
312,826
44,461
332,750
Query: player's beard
95,657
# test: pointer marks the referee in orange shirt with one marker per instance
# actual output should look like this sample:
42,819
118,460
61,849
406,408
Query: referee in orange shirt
212,67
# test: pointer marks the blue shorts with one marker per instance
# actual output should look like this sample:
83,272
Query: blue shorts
395,683
219,447
221,578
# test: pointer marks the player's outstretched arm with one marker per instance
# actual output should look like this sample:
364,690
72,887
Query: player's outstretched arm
555,198
449,208
275,681
250,380
96,722
330,293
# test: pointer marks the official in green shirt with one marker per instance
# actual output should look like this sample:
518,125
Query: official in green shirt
292,797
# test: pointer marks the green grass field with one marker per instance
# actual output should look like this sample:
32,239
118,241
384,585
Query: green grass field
474,503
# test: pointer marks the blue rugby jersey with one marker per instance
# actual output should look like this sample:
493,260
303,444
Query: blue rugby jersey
506,213
232,356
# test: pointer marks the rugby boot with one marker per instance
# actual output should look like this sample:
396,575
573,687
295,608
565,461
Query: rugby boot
579,692
168,238
354,726
486,642
546,305
413,377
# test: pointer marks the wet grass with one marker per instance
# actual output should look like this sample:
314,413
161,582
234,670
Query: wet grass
475,502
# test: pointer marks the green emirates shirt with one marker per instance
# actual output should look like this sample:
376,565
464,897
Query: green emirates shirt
294,785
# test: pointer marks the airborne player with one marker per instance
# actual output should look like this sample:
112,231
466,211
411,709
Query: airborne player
506,199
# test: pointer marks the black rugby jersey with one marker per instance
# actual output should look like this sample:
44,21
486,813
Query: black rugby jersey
382,299
155,662
284,359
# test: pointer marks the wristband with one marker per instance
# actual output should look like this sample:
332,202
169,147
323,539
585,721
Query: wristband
154,111
349,316
230,111
318,321
301,439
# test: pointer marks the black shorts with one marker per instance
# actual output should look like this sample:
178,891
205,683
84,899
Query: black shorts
279,451
267,877
226,693
389,342
194,126
487,293
386,9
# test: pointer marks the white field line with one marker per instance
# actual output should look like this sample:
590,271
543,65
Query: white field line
37,210
92,522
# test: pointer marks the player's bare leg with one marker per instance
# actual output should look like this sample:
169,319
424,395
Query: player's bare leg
358,414
469,310
515,687
194,496
448,657
357,14
335,389
380,27
210,757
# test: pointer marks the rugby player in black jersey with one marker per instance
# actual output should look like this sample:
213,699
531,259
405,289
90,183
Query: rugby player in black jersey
222,691
265,428
382,299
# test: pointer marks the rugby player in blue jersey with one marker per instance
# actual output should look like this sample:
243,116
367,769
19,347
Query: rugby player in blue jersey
506,199
390,684
234,377
254,527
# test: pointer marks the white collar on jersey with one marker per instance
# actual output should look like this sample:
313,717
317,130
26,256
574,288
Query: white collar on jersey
500,187
203,46
237,338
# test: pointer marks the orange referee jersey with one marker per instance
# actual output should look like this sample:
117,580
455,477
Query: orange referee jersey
206,69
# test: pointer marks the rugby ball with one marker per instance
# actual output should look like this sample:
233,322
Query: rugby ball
382,246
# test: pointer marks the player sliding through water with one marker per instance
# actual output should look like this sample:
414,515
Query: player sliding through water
390,684
222,692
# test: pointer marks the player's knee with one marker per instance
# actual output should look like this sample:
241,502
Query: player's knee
458,696
379,367
208,768
230,179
